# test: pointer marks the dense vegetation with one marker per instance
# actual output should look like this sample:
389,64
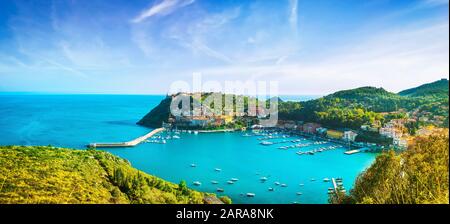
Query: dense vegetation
415,176
348,108
370,105
438,88
56,175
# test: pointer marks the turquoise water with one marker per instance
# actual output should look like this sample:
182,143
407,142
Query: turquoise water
76,120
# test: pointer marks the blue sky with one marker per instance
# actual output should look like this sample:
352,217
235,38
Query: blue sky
142,46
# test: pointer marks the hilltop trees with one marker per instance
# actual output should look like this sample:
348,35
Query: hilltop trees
416,176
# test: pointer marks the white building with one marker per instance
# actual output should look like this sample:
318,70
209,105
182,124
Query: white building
349,136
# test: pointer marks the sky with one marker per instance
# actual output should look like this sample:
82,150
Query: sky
312,47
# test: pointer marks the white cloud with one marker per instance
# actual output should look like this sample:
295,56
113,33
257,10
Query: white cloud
395,60
293,16
164,7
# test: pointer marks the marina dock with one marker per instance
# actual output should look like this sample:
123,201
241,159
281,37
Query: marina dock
131,143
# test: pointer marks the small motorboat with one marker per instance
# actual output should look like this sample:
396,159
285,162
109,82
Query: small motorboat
277,183
312,179
220,190
195,132
193,165
176,137
230,182
217,169
299,193
250,195
234,179
301,185
270,189
283,185
263,179
266,143
326,179
197,183
214,182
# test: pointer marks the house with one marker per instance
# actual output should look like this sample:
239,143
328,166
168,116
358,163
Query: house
199,121
400,142
286,124
311,128
349,136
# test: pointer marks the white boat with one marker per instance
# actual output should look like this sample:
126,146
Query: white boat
189,131
277,183
218,169
176,137
299,193
230,182
263,178
266,143
246,135
283,185
326,179
195,132
197,183
301,185
250,195
193,165
270,189
234,179
220,190
214,182
312,179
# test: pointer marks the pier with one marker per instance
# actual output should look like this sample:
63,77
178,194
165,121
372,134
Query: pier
131,143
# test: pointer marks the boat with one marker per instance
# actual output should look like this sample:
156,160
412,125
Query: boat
189,131
270,188
263,179
246,135
326,179
214,182
197,183
277,183
176,137
283,185
218,169
250,195
312,179
220,190
193,165
301,185
266,143
195,132
230,182
299,193
234,179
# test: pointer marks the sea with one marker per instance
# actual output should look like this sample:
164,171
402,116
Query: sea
74,121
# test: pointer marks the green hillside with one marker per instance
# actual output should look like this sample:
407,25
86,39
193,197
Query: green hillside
418,175
438,88
354,107
31,175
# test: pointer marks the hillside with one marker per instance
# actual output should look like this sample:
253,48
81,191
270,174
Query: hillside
33,175
365,105
157,115
438,88
418,175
